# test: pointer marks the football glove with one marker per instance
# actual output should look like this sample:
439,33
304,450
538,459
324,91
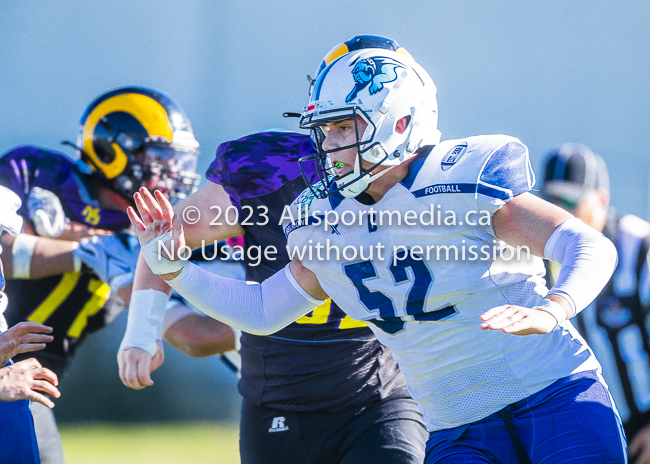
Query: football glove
46,213
112,258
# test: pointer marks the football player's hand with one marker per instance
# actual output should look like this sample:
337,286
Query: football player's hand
46,212
112,258
155,219
158,228
136,366
23,338
23,381
518,320
639,449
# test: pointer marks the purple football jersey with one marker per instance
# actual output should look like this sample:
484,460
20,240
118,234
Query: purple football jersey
73,304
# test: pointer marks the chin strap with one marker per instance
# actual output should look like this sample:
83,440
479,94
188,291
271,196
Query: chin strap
360,185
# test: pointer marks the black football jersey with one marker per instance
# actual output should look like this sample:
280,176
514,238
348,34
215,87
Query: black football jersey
324,360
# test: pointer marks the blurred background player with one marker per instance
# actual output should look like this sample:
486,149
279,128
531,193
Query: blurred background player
615,325
20,382
74,252
321,390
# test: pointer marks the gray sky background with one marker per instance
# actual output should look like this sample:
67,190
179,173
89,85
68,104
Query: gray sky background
546,72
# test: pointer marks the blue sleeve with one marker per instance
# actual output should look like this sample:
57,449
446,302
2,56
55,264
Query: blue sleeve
507,173
18,438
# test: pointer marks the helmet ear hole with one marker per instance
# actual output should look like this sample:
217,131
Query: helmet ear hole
104,150
402,124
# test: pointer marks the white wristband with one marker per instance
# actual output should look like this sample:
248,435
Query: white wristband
76,259
555,309
145,323
156,255
22,251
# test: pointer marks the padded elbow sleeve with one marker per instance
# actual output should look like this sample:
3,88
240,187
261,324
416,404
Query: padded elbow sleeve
588,260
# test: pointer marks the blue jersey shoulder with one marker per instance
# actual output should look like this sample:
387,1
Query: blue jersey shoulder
496,166
508,167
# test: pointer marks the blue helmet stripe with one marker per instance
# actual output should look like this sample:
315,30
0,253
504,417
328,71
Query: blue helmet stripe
315,96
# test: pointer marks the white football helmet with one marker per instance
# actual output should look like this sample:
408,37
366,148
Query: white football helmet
381,87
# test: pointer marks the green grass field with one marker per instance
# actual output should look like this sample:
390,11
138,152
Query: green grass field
195,443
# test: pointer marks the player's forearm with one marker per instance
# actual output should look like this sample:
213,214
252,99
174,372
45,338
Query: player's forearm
31,257
260,309
200,336
587,257
146,310
52,257
145,279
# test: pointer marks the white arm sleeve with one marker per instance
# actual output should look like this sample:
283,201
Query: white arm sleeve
259,309
588,260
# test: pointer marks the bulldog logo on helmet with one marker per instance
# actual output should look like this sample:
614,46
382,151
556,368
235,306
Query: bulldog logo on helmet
374,72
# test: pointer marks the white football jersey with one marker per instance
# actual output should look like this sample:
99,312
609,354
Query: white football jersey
423,285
